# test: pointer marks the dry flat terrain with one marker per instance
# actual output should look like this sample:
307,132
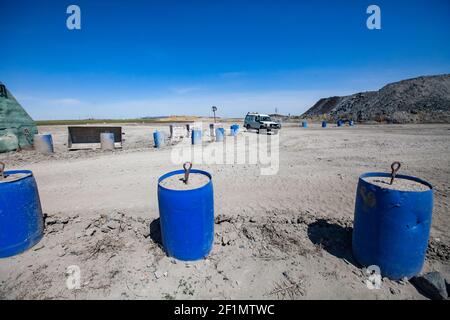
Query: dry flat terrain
285,236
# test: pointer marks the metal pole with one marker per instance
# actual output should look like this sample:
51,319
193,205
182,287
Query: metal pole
214,109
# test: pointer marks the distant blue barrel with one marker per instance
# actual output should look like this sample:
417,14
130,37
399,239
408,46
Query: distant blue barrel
340,123
158,138
391,228
351,123
234,129
220,132
187,219
324,124
21,220
43,143
304,124
196,136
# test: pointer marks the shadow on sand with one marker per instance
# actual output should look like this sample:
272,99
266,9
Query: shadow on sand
333,238
155,232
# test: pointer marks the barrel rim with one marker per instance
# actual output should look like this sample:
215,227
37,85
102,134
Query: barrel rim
172,173
398,176
28,173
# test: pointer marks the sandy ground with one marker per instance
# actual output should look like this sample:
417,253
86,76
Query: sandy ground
283,236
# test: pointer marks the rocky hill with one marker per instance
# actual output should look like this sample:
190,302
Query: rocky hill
418,100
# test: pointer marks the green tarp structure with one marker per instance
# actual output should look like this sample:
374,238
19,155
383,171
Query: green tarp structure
17,129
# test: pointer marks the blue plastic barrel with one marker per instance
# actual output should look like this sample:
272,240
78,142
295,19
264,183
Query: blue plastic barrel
220,132
196,136
187,219
340,123
43,143
21,220
305,124
324,124
351,123
234,129
158,138
391,227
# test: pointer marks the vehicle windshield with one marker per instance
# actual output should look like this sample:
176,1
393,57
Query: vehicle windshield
265,118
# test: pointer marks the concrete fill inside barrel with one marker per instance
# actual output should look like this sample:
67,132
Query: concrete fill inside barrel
14,177
397,184
176,182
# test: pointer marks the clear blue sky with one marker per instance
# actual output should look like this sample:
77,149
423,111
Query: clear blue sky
149,58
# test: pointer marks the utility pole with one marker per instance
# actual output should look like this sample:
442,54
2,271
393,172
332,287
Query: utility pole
214,109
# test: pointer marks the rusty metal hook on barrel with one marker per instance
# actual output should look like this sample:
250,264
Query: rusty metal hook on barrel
187,170
395,166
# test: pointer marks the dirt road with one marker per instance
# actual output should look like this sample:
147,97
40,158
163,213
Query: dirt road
286,235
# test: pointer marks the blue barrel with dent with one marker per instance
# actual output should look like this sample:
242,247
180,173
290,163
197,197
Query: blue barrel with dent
220,133
187,219
21,219
158,138
391,228
196,136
